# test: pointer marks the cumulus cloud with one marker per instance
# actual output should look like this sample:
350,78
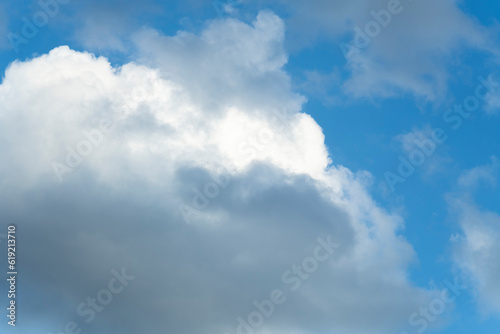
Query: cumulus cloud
193,108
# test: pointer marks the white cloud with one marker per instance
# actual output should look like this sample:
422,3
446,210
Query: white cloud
413,140
477,250
487,173
408,56
422,142
191,105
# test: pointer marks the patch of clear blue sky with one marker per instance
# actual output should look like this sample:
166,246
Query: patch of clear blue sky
359,132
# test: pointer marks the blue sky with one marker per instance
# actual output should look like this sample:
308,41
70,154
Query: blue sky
201,84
